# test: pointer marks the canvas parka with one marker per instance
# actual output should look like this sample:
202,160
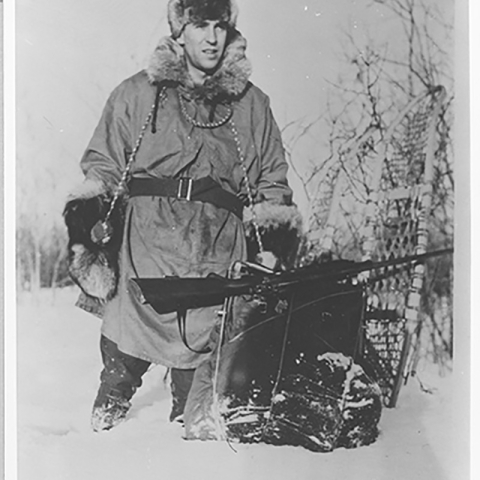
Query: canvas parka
169,236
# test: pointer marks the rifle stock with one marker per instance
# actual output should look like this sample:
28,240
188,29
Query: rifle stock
170,294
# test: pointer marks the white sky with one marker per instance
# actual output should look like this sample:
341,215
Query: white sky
71,54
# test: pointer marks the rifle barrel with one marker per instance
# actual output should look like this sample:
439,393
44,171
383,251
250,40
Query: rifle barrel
173,294
353,269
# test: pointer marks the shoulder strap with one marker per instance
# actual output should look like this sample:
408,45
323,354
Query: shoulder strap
122,184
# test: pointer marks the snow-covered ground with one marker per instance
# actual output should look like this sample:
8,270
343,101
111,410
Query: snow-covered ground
58,368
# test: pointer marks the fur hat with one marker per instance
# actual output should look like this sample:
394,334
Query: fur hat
181,12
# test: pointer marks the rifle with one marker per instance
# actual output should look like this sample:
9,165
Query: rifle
174,294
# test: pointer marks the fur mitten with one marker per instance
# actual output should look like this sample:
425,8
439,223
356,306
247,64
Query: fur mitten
280,229
93,266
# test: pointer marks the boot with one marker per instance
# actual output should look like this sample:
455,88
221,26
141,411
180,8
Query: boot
120,379
181,382
109,409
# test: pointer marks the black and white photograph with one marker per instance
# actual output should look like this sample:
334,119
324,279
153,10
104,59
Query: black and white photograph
240,240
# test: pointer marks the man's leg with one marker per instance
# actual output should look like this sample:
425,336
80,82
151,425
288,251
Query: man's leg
181,382
120,378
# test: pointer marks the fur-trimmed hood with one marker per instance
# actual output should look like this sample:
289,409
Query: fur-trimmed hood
167,65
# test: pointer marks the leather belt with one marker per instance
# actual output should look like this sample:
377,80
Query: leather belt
204,189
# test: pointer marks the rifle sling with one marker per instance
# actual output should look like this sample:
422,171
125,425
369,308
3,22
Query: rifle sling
182,328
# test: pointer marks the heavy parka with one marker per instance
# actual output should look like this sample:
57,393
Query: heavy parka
167,236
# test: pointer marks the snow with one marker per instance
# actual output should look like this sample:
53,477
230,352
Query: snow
58,368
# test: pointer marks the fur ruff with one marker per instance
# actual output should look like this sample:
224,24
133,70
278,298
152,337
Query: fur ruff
273,216
181,12
167,65
92,272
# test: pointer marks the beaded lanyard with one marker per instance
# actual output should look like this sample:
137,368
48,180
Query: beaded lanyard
102,232
198,124
247,184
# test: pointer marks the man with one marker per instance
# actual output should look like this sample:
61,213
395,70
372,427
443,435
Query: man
198,142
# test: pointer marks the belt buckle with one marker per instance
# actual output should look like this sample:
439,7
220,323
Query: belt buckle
185,185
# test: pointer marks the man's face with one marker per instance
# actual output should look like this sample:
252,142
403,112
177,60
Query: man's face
204,44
